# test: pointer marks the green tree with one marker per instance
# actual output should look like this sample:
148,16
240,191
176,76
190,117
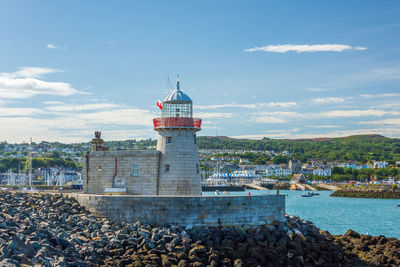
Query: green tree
280,159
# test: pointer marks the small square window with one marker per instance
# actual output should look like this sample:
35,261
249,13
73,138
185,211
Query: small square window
169,139
166,167
135,169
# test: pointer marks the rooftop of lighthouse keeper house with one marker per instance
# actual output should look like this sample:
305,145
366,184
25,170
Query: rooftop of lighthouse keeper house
177,111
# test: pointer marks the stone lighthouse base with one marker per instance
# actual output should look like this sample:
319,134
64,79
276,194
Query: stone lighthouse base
185,210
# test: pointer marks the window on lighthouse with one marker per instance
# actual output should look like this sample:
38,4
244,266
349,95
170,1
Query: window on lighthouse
166,167
182,110
169,139
135,169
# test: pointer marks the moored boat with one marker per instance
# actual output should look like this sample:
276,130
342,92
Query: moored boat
308,194
78,184
293,187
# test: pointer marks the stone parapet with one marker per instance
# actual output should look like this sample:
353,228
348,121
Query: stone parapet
115,169
185,210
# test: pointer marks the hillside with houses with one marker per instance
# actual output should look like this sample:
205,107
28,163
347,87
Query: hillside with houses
363,157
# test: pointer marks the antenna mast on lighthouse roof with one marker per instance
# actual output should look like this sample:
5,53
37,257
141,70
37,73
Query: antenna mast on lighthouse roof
178,87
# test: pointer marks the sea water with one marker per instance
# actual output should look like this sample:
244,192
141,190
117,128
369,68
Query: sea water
336,214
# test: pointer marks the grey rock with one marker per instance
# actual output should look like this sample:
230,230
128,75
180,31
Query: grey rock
9,263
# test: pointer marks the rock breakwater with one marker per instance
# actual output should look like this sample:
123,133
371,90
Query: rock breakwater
54,230
384,192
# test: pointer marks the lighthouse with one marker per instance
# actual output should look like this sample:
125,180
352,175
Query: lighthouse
179,172
163,186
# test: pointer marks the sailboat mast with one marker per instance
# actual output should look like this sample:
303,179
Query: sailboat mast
30,163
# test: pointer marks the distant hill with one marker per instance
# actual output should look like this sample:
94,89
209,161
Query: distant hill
362,148
351,137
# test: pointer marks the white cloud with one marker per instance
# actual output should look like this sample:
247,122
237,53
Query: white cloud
275,117
18,129
327,100
125,116
379,95
26,83
360,48
18,124
52,46
232,105
286,116
213,115
10,112
304,48
391,121
279,104
248,106
324,126
316,89
269,119
29,72
356,113
55,47
62,107
53,103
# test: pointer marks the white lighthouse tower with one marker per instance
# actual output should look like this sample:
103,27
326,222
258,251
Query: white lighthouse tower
179,172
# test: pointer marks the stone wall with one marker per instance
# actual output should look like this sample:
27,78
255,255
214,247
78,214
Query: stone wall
100,168
184,210
181,155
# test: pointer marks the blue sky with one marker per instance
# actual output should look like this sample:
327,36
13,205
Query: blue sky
293,69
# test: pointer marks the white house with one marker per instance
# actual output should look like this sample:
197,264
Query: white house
244,161
244,173
278,172
322,172
380,164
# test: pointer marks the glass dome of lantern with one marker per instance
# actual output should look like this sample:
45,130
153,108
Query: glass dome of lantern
177,104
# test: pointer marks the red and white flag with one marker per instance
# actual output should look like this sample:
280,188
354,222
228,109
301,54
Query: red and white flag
159,104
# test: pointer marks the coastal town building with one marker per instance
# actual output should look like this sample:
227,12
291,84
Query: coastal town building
322,172
355,165
244,173
278,172
295,165
380,164
307,170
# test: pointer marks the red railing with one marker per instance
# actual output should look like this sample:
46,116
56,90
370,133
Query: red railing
176,122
